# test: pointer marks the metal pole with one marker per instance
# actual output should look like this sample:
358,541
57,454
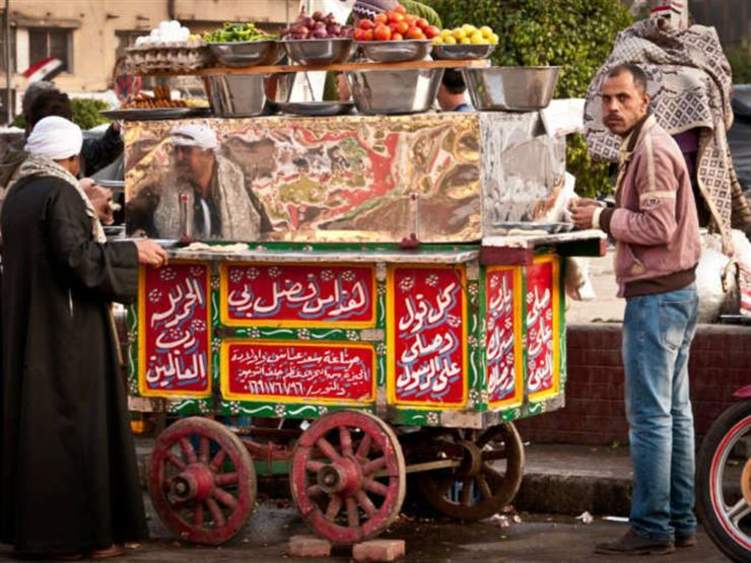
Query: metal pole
8,108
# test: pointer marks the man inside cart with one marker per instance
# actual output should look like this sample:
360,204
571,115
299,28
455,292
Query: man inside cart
68,474
217,204
656,229
452,92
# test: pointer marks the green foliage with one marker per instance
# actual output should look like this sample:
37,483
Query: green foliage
740,61
86,112
577,35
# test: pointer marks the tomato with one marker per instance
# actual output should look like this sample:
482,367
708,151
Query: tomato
397,37
395,17
422,23
402,27
382,33
366,24
400,9
432,31
415,33
410,19
359,35
381,18
368,35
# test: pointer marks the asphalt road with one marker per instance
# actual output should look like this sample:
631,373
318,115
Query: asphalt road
535,538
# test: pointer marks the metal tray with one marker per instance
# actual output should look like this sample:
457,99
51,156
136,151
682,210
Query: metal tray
153,113
550,228
317,109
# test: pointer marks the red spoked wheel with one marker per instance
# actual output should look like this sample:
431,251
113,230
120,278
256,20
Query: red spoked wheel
202,481
487,479
348,476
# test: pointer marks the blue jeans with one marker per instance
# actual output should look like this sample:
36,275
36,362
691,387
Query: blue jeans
657,334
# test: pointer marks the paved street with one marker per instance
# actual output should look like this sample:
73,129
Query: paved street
536,538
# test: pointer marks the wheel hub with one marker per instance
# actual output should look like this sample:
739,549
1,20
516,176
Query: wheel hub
196,482
472,459
343,476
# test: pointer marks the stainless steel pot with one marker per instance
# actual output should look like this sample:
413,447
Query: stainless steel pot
247,53
246,95
395,51
319,51
511,88
393,92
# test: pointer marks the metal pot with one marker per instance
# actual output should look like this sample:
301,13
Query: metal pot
247,53
393,92
395,51
315,52
509,88
246,95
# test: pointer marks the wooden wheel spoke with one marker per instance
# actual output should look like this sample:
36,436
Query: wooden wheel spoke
494,455
166,485
175,460
484,487
314,491
327,449
216,513
363,448
314,466
375,487
198,516
224,497
365,503
218,460
224,479
372,466
333,508
465,495
345,441
203,450
353,513
188,451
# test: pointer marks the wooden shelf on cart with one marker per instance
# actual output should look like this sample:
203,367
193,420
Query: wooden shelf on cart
343,67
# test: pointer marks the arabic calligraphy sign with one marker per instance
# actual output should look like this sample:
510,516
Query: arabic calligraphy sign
427,336
295,372
174,336
298,295
542,327
503,335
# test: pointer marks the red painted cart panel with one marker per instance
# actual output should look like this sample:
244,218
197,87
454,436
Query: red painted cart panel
543,335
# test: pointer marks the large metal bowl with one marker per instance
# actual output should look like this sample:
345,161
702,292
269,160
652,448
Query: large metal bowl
246,95
511,88
462,52
247,53
317,52
394,92
396,51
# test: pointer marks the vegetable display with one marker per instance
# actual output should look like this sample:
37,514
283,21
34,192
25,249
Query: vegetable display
236,33
395,25
316,26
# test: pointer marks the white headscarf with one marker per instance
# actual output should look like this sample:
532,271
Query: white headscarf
55,138
194,135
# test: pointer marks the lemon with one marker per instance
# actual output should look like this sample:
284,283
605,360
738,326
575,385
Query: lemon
450,40
459,34
446,33
477,38
466,41
469,29
486,31
493,40
438,40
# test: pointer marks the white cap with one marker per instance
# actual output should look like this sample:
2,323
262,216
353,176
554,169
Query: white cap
194,135
55,138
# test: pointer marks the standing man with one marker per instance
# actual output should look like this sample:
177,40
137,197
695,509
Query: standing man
452,92
656,231
68,476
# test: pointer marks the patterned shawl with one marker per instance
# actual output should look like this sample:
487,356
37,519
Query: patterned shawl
690,87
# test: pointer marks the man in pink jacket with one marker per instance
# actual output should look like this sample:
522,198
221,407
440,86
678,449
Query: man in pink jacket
655,226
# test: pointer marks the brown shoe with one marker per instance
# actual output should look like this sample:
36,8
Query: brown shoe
115,550
685,541
634,544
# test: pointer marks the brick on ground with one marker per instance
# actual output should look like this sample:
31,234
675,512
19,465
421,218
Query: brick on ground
308,546
381,551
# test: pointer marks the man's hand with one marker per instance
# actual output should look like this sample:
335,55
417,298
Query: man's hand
583,202
582,216
150,253
101,199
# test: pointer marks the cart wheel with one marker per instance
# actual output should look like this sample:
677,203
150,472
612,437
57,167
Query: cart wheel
348,476
478,488
202,481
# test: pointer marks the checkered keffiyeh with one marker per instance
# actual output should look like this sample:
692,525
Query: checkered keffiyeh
369,8
690,84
